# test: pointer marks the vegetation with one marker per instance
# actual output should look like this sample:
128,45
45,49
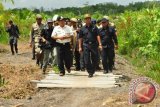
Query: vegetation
2,81
140,39
137,25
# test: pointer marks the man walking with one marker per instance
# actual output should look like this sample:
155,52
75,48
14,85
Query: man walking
109,42
35,38
63,34
89,36
49,43
13,31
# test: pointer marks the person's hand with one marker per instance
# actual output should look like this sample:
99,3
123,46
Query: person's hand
100,47
116,47
62,38
80,50
8,25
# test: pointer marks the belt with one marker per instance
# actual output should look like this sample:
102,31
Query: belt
63,43
89,43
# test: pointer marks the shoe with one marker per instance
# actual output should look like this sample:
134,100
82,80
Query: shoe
69,70
77,69
12,53
44,71
61,74
82,69
33,58
98,68
105,72
114,68
90,75
110,71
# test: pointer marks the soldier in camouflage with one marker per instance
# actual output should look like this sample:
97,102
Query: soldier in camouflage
35,39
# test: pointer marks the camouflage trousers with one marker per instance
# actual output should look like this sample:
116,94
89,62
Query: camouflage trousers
38,52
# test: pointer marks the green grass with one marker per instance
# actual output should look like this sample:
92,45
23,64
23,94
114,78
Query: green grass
146,67
2,81
55,69
4,39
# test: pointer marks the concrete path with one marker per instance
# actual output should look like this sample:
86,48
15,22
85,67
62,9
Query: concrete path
77,79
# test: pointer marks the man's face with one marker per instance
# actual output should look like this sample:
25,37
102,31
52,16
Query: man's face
87,20
39,20
50,24
73,23
104,24
61,22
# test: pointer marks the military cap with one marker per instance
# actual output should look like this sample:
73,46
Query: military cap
87,16
104,20
107,17
38,16
73,19
49,20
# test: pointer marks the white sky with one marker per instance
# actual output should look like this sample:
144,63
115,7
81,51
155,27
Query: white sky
48,4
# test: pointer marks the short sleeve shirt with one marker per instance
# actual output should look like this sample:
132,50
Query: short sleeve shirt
62,31
89,33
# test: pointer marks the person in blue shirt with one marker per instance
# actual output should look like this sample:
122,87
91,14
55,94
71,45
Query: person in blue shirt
109,43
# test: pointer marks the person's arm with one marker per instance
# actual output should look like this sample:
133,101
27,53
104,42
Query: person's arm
80,40
115,39
43,35
80,44
99,39
31,36
69,33
17,30
8,28
55,36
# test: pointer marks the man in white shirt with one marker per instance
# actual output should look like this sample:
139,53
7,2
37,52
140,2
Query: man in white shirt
63,34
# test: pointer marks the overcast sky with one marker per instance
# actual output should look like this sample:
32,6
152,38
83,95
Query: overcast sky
48,4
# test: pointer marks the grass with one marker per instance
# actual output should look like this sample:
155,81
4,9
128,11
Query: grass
146,67
2,81
4,39
55,69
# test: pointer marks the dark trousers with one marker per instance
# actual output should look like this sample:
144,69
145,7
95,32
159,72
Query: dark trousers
64,57
107,58
33,49
13,44
113,58
90,58
79,58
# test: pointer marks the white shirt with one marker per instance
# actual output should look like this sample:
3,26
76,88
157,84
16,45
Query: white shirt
62,31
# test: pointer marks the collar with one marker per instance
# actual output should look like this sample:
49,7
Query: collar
62,27
88,26
105,28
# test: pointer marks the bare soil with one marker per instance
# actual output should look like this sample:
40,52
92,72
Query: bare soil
18,91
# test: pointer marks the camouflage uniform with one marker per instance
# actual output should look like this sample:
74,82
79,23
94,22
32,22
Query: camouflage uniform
36,40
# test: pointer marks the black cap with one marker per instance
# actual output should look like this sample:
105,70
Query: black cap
104,20
59,18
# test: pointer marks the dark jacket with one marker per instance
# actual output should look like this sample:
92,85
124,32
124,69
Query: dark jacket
46,34
13,31
108,37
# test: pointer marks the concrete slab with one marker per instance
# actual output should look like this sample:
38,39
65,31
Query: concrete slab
77,79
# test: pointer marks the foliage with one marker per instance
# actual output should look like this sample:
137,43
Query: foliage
2,81
139,36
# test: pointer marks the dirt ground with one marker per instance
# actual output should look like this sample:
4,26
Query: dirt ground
18,91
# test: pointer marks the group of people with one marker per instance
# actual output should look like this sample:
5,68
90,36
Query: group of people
63,40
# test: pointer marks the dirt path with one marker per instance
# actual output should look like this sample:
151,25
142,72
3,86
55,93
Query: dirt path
20,69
